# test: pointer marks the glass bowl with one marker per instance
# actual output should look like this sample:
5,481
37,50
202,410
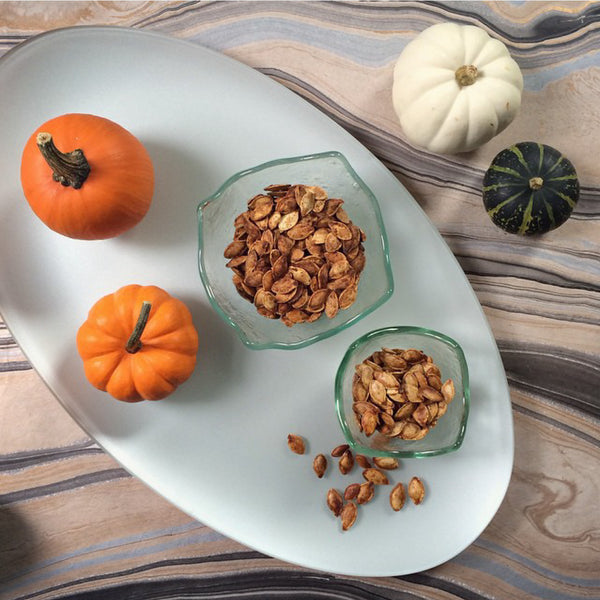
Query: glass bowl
447,435
216,215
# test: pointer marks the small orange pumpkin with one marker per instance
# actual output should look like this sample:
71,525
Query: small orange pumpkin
138,343
87,177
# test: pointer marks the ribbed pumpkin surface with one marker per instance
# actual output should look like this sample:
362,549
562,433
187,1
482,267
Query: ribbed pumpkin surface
530,188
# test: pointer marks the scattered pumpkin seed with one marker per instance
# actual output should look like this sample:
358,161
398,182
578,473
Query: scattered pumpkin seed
397,497
335,501
376,476
362,461
296,443
320,465
348,515
416,490
346,462
366,492
339,450
351,491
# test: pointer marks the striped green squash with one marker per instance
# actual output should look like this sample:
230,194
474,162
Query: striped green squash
530,188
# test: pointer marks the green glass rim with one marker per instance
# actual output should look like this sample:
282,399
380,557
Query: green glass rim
383,240
399,329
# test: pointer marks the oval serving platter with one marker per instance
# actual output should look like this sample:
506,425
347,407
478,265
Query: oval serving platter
217,447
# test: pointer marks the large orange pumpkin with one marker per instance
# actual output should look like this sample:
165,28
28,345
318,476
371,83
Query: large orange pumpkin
138,343
86,177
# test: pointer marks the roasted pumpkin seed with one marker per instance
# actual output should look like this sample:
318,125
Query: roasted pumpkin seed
296,443
320,465
335,501
416,490
366,492
376,476
351,491
397,497
346,462
275,238
386,462
348,515
399,393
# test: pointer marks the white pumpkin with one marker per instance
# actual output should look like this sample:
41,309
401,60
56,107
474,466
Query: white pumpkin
455,88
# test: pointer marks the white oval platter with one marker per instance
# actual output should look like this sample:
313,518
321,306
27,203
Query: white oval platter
217,447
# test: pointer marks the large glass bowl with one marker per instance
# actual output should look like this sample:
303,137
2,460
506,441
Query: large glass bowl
449,432
216,215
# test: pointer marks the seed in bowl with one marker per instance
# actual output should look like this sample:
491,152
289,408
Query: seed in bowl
296,255
399,393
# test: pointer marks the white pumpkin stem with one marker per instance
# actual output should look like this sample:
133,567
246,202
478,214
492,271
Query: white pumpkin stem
466,75
535,183
68,168
134,343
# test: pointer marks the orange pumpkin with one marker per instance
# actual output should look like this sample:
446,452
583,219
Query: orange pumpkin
86,177
138,343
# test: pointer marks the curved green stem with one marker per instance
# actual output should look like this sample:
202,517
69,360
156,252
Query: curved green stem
68,169
134,342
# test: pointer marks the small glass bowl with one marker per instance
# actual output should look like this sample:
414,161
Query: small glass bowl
216,216
448,433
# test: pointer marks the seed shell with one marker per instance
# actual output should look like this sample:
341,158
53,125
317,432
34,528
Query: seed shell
348,515
339,450
416,490
334,501
296,443
397,497
362,461
386,462
346,462
351,491
320,465
366,492
376,476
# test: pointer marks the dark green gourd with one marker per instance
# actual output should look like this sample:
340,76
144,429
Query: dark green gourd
530,188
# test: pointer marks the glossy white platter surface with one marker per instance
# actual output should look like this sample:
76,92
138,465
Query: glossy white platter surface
217,447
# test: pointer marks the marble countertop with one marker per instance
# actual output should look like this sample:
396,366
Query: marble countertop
75,524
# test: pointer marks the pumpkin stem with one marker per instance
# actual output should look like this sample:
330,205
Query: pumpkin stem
134,342
535,183
466,75
68,169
